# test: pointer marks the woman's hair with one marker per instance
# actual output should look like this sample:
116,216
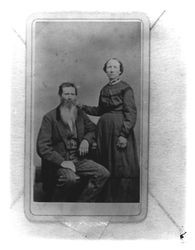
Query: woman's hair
121,65
66,84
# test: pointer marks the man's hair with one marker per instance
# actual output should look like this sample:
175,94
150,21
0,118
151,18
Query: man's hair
121,65
66,84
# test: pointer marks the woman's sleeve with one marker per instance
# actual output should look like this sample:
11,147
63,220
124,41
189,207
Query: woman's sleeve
130,112
93,110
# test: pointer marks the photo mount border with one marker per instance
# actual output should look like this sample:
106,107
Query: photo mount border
35,211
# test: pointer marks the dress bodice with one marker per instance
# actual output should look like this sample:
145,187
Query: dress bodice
111,97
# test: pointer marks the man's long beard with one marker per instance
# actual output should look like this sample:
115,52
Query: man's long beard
68,112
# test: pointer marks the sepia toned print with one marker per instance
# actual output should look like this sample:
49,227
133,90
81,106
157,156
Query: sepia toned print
87,146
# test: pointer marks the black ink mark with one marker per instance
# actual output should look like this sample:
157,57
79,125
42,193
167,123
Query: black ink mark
182,235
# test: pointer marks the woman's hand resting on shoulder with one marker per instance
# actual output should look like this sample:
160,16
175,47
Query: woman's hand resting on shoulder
79,105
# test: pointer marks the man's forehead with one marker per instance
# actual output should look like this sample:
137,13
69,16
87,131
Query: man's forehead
68,90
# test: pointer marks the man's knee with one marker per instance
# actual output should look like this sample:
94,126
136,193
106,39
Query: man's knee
102,172
66,177
105,173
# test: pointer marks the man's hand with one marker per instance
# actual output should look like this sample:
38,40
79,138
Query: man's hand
69,165
84,147
66,176
122,142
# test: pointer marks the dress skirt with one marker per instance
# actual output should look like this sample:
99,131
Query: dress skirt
123,164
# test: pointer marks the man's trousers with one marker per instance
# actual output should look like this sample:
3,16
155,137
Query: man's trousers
95,176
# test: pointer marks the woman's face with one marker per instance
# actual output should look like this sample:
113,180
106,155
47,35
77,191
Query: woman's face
113,69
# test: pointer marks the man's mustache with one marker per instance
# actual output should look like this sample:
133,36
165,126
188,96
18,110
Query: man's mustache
68,103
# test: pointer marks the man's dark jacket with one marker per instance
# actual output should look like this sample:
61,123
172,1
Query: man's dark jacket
52,142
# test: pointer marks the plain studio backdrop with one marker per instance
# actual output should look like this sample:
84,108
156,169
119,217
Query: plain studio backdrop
76,52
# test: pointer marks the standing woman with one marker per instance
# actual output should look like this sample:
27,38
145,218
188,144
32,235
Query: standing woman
116,145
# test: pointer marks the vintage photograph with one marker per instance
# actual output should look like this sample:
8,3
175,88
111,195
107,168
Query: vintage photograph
87,114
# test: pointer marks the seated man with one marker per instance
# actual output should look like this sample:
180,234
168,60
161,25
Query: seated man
63,142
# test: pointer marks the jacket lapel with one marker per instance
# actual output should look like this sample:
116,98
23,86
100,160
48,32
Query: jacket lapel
79,126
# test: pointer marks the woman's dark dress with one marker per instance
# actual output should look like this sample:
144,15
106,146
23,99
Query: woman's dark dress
117,113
